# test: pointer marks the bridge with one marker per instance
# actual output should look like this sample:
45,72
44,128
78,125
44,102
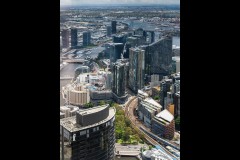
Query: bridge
74,60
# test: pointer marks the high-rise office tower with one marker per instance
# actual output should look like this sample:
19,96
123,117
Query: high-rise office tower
74,37
89,135
136,69
165,87
119,81
86,38
114,27
116,49
109,31
65,38
159,56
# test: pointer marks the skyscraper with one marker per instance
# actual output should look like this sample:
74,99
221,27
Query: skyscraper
86,38
114,27
74,37
119,81
109,31
136,69
116,49
89,135
65,38
159,56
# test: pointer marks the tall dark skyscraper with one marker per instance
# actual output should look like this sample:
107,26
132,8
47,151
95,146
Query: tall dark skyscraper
116,49
114,27
119,80
89,135
74,37
159,56
136,69
65,38
109,31
86,38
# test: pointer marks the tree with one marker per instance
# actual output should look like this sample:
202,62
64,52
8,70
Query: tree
125,136
177,123
128,130
127,122
156,97
89,105
101,102
137,138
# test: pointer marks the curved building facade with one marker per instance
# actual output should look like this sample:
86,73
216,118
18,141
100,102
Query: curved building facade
89,135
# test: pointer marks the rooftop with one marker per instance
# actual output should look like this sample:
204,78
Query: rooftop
153,102
166,115
71,125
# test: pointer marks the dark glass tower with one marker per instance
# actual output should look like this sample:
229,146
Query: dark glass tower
89,135
114,27
119,80
65,38
74,37
86,38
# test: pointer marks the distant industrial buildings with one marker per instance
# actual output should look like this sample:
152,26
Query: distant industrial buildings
88,135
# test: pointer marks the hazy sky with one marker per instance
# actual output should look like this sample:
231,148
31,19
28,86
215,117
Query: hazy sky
79,2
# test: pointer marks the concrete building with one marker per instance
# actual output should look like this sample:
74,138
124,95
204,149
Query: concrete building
163,124
168,99
74,37
65,38
114,27
147,109
119,81
176,64
81,70
150,36
86,38
68,111
88,135
108,79
100,95
156,91
109,31
76,94
155,154
136,69
176,102
154,80
165,87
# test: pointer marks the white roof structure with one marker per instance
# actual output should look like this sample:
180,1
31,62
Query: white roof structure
166,115
153,102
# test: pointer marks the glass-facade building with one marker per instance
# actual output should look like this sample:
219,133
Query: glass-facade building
89,135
